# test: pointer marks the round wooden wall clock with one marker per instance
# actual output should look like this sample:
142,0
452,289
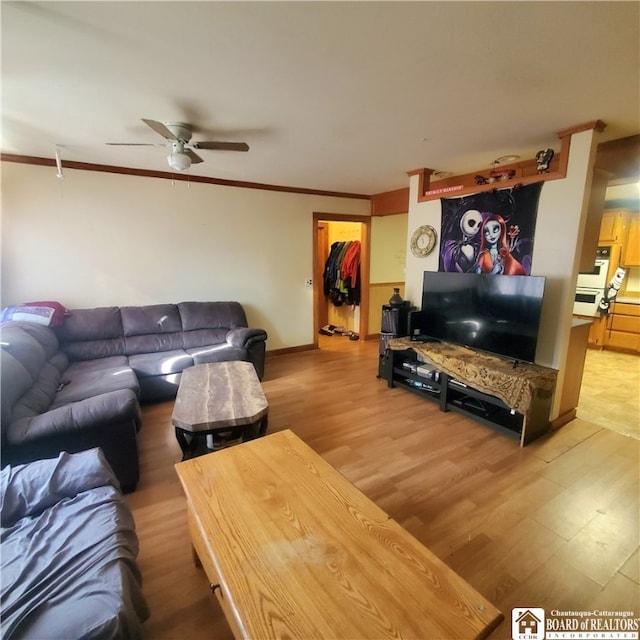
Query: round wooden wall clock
423,241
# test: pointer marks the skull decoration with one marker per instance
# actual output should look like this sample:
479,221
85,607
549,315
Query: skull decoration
543,160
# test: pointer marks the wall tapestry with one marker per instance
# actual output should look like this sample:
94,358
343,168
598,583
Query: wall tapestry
490,232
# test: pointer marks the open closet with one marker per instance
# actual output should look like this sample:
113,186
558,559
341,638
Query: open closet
340,276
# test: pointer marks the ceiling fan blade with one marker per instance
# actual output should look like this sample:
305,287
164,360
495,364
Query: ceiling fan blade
132,144
222,146
158,127
195,158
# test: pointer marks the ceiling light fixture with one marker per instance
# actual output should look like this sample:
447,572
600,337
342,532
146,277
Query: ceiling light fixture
178,159
442,174
506,159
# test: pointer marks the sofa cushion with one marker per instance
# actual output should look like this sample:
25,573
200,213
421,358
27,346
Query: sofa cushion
205,337
161,363
80,383
99,364
151,328
98,323
24,348
211,315
92,333
155,318
29,349
75,417
44,336
39,397
153,343
16,381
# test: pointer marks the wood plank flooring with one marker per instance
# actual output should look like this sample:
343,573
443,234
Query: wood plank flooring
552,525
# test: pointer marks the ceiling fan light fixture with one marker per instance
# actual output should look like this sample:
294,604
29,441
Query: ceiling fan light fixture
179,160
506,159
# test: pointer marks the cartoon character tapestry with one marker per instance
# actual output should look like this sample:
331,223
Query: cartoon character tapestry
490,232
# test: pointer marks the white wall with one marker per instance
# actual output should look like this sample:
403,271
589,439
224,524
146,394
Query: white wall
388,248
558,239
96,239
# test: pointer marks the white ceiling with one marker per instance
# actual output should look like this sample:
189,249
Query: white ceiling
341,96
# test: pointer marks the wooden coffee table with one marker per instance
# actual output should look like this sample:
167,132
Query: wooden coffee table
293,550
215,399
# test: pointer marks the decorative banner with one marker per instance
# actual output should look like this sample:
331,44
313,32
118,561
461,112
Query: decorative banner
490,232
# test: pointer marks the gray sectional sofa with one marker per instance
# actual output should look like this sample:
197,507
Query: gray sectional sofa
159,341
79,385
50,404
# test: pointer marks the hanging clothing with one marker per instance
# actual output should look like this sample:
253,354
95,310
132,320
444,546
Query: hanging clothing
351,263
341,278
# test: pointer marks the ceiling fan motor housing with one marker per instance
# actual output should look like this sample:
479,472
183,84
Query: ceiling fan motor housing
180,130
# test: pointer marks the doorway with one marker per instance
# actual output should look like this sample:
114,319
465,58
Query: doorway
322,238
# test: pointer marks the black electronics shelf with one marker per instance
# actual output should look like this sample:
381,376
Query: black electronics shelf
399,369
483,407
416,383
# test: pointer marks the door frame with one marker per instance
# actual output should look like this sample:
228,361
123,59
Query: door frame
318,289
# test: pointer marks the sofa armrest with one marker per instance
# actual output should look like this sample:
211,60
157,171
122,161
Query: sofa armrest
107,408
244,336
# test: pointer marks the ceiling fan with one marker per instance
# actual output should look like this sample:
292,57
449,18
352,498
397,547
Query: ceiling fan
178,135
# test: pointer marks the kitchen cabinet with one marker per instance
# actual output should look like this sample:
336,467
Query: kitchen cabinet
631,249
623,327
613,227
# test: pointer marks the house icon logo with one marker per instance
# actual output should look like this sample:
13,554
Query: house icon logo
527,623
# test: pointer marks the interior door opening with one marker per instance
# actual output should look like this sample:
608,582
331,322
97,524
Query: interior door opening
340,311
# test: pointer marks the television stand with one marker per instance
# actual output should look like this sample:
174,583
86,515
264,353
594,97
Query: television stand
487,388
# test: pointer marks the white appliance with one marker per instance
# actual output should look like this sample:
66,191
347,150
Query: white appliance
591,286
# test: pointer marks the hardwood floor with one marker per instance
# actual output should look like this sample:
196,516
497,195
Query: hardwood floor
553,525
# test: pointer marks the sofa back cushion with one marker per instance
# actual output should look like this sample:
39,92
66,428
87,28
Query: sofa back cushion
88,334
207,323
31,370
27,331
103,332
16,381
151,328
211,315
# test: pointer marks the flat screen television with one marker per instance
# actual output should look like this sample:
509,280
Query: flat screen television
495,313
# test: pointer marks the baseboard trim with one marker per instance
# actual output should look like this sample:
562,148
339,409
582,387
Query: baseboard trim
287,350
564,418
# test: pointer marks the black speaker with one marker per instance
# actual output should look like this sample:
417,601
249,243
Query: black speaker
415,324
394,319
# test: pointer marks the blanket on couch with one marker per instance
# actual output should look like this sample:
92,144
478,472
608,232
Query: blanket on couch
69,552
